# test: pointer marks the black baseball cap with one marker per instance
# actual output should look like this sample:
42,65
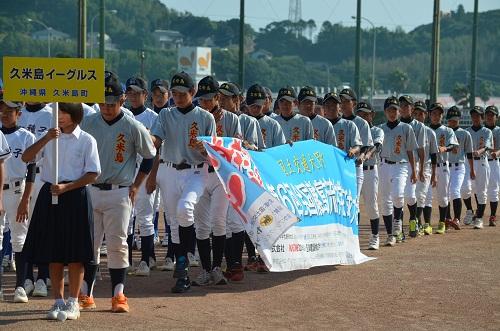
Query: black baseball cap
436,105
419,105
348,93
453,113
12,104
229,89
364,107
319,101
269,94
477,109
391,102
208,87
160,84
406,98
287,93
256,95
307,93
492,109
113,89
331,95
181,82
136,84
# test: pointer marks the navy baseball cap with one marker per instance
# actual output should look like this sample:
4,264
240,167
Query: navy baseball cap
364,107
229,89
491,109
436,105
331,95
136,84
420,105
112,88
453,113
256,95
287,93
319,101
348,93
208,87
182,82
307,93
391,102
406,98
269,94
477,109
160,84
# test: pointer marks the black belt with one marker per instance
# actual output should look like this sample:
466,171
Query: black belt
184,166
37,170
489,160
162,161
7,186
478,158
106,187
444,164
389,162
211,169
455,164
368,167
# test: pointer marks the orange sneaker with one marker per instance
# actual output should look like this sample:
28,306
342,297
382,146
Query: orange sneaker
119,304
86,302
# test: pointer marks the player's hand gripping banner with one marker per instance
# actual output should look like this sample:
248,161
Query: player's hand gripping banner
309,181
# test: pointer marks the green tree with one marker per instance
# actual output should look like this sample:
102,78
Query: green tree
485,90
398,80
460,93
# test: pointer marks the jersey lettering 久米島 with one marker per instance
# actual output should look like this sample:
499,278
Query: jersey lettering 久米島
323,130
445,137
347,134
296,128
397,142
250,130
271,131
378,138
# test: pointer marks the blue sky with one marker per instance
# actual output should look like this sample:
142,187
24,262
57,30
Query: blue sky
407,14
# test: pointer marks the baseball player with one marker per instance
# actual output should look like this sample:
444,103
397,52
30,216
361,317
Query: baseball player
4,155
136,91
295,126
318,109
457,157
348,105
185,176
397,150
406,108
482,142
37,119
323,129
266,108
369,191
120,139
446,141
18,183
211,211
347,133
160,100
491,116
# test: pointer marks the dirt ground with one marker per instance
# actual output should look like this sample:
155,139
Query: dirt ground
446,281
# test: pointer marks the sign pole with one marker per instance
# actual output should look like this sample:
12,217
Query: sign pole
55,150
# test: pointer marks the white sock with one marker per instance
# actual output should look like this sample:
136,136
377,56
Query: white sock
118,289
71,300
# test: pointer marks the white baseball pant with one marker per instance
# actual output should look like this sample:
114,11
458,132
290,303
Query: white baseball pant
442,186
182,189
479,185
422,188
494,182
457,176
410,188
144,212
210,213
392,181
359,178
11,199
369,192
112,211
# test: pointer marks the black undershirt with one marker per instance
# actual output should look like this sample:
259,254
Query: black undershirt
406,120
392,125
455,129
476,128
312,116
186,110
350,118
334,121
34,108
287,118
490,127
114,120
157,110
9,130
138,111
434,126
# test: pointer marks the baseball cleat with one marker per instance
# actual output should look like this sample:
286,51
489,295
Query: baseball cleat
86,302
441,228
478,223
374,242
252,264
469,217
142,270
203,279
20,295
236,273
29,286
399,237
217,276
54,311
493,221
71,311
413,228
40,289
181,267
427,229
193,260
454,223
119,304
168,266
391,241
182,285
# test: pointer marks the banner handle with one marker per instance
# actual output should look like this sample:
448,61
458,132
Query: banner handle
55,151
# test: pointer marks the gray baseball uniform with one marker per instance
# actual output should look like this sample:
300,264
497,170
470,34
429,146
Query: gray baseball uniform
251,130
271,132
323,130
347,134
296,128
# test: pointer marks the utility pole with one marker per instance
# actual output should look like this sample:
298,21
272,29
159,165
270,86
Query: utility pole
473,67
433,93
357,56
143,56
82,28
101,30
241,64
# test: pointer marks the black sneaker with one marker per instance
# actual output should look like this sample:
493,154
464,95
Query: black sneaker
181,267
182,285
